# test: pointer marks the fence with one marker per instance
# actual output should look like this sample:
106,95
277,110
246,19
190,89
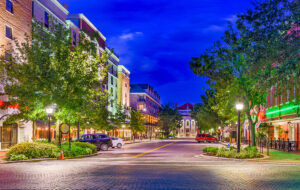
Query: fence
280,144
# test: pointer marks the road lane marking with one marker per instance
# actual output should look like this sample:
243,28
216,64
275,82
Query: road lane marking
142,154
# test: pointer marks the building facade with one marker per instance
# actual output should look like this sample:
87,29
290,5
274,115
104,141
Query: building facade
283,112
143,97
15,21
112,81
124,88
188,127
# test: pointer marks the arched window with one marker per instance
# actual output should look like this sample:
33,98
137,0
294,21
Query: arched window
187,123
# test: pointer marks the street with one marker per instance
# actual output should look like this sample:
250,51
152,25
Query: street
169,164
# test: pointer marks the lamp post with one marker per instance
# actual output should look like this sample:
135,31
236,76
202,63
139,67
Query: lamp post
239,106
123,126
49,111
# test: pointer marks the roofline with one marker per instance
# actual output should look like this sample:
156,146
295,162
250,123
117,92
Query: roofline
112,53
60,6
123,67
82,16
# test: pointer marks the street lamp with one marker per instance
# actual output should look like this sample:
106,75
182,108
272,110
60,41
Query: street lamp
49,111
239,107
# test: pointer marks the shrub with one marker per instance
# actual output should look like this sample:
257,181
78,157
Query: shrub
17,157
33,150
251,148
213,150
250,152
86,145
75,150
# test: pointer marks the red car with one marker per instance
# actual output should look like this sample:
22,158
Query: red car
205,138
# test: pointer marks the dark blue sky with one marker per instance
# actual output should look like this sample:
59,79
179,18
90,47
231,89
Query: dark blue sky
157,38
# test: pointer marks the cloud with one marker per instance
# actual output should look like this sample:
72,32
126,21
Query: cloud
232,18
214,28
130,36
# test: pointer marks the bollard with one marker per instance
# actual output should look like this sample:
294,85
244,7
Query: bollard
62,154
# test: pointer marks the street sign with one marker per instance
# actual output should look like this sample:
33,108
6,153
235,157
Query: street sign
64,128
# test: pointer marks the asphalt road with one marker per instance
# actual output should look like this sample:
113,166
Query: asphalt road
175,164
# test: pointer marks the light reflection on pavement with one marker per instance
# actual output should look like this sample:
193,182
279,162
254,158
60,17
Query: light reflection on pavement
177,166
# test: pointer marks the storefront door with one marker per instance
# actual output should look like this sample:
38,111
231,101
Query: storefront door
9,135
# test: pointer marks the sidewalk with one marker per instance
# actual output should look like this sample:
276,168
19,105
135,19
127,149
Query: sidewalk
2,155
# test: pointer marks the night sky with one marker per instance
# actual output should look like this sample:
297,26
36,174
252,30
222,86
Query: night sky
156,39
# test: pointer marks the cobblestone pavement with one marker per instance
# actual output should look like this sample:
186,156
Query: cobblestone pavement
180,165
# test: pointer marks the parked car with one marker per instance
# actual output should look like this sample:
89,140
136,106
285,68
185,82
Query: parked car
205,138
117,142
101,140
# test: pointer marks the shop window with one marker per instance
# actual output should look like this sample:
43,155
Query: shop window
9,6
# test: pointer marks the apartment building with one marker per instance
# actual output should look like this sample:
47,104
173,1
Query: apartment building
112,80
143,97
15,21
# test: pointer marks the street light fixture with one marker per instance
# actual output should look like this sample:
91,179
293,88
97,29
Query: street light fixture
49,111
239,107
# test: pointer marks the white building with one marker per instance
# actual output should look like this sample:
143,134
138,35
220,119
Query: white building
189,127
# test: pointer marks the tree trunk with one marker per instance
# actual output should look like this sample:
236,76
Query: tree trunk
34,130
252,129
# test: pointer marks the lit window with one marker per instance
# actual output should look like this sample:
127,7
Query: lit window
8,32
9,6
46,20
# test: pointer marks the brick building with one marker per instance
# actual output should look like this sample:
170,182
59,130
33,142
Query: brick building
15,21
283,111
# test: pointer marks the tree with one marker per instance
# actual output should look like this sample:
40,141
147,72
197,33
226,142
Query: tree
49,70
169,118
206,116
137,122
253,55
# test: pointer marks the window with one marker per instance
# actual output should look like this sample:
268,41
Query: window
8,32
111,80
46,20
74,38
9,6
126,85
32,9
8,57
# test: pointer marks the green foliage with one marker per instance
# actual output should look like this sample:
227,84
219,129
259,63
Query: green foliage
86,145
212,150
17,157
33,150
253,55
248,152
204,113
169,118
76,150
137,122
52,71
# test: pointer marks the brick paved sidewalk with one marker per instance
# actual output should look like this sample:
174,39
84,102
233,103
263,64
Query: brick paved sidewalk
2,155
